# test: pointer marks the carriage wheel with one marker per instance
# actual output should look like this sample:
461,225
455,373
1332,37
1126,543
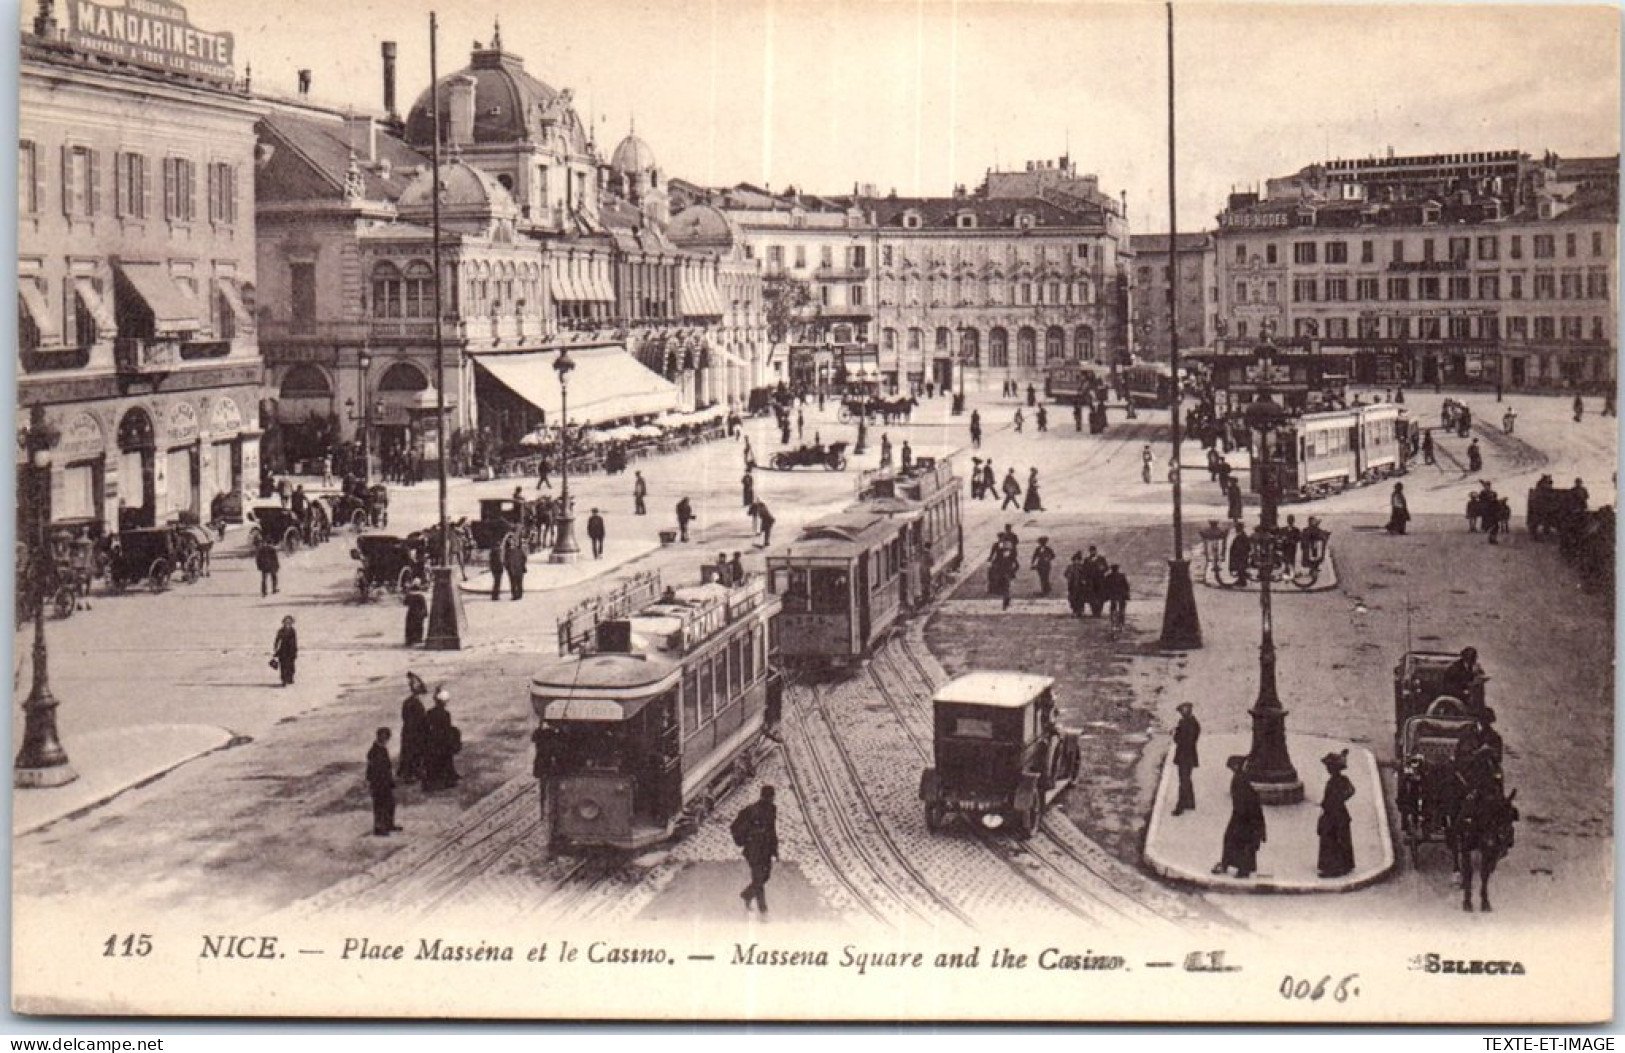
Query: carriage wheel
290,540
361,585
66,599
358,519
780,462
839,464
845,415
159,574
192,569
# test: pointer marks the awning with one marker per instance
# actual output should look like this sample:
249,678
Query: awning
565,289
607,383
172,310
97,306
234,299
710,293
44,318
599,286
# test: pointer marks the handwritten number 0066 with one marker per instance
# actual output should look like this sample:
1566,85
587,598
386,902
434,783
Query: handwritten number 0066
1314,991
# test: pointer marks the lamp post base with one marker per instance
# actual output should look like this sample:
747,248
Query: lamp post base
1269,766
447,619
565,549
1181,625
41,762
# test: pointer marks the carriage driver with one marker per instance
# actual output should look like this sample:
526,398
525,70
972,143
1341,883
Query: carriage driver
1464,678
1481,745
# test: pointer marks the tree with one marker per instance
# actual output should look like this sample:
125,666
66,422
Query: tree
784,299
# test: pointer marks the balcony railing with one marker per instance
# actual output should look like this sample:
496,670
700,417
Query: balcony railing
53,359
195,349
136,355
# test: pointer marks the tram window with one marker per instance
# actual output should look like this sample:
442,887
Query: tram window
707,702
691,701
736,666
972,728
829,591
751,642
795,588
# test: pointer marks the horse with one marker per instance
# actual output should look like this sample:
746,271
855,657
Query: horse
1482,833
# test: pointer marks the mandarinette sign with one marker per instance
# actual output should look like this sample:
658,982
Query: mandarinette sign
152,33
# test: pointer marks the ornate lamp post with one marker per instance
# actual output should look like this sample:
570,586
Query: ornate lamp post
41,762
565,549
1269,767
364,419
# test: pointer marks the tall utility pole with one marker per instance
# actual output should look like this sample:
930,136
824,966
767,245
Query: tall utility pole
447,620
1181,626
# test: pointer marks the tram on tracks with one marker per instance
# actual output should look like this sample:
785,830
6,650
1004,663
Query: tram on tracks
1316,454
1148,385
655,709
1067,382
848,579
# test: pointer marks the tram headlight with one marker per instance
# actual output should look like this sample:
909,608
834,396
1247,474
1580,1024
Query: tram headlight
992,820
589,810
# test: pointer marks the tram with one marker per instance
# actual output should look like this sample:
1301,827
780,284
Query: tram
1316,454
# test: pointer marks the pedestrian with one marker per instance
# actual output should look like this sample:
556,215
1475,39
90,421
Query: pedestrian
1043,560
1077,415
414,731
381,785
1095,568
747,489
1117,593
1336,839
1186,733
801,424
442,742
1213,464
976,429
285,650
885,450
736,570
299,504
764,520
327,470
498,564
1032,396
1246,830
685,515
1235,499
756,831
1002,570
1509,420
595,533
1042,419
1075,574
907,461
417,615
1012,491
1241,553
1019,420
750,456
989,480
283,491
1291,538
640,494
268,563
1427,447
1399,512
1145,464
976,478
1475,459
1579,407
1489,512
543,468
1034,502
514,561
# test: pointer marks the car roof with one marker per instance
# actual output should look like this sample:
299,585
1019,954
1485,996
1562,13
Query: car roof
994,688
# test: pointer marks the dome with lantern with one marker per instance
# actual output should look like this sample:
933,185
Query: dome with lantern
470,199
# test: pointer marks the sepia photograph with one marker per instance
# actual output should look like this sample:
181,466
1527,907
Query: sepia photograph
888,511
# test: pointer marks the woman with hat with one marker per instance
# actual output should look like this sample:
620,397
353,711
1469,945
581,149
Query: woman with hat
443,741
1246,830
1336,842
413,759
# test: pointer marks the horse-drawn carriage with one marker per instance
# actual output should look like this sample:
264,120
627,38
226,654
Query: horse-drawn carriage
155,555
391,563
277,525
831,457
859,407
362,508
1450,788
500,516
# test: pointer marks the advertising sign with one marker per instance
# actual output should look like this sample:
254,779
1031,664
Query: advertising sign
153,33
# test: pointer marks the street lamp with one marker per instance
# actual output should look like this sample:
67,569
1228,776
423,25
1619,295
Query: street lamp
365,361
41,762
1269,767
565,549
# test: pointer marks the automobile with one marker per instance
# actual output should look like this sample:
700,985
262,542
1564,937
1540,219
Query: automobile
832,457
277,525
1001,758
151,554
391,563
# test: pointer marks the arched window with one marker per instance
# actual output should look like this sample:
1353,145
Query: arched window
1054,344
419,290
944,342
1083,344
403,376
304,381
386,290
1026,346
888,340
998,349
970,347
916,340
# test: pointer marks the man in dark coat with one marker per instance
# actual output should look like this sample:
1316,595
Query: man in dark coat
268,563
1246,830
1117,592
1336,840
747,489
498,565
1464,679
1076,589
976,429
756,832
1002,570
765,520
907,455
1043,560
640,494
685,514
442,742
595,533
1234,495
414,731
1399,512
989,481
1012,491
417,617
285,650
976,478
1094,581
381,784
513,559
1241,554
1186,733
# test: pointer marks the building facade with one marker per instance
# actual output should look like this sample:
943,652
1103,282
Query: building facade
137,272
1196,289
1485,268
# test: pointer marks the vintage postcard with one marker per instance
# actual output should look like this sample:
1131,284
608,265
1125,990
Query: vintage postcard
812,510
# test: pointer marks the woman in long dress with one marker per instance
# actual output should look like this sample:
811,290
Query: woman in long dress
1245,832
1033,502
1336,840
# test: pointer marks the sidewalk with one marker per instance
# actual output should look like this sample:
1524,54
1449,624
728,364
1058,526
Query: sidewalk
1184,848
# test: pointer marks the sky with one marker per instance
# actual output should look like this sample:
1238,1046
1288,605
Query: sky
923,96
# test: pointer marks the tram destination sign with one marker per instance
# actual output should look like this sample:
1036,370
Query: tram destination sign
151,33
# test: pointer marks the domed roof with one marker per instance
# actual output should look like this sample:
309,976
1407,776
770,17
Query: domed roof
509,104
467,190
633,156
703,225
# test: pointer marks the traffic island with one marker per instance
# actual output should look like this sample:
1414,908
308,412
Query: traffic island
1185,847
1203,571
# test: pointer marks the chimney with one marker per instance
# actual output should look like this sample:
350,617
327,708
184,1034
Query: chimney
361,132
461,108
304,82
387,48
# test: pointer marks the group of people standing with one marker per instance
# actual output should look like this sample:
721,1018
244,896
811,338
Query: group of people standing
430,743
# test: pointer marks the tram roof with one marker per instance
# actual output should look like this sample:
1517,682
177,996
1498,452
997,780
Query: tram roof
841,533
609,685
995,688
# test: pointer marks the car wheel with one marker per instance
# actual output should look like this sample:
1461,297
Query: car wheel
840,463
780,462
65,601
358,519
159,574
192,569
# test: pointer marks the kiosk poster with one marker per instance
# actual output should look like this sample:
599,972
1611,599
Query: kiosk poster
1198,607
